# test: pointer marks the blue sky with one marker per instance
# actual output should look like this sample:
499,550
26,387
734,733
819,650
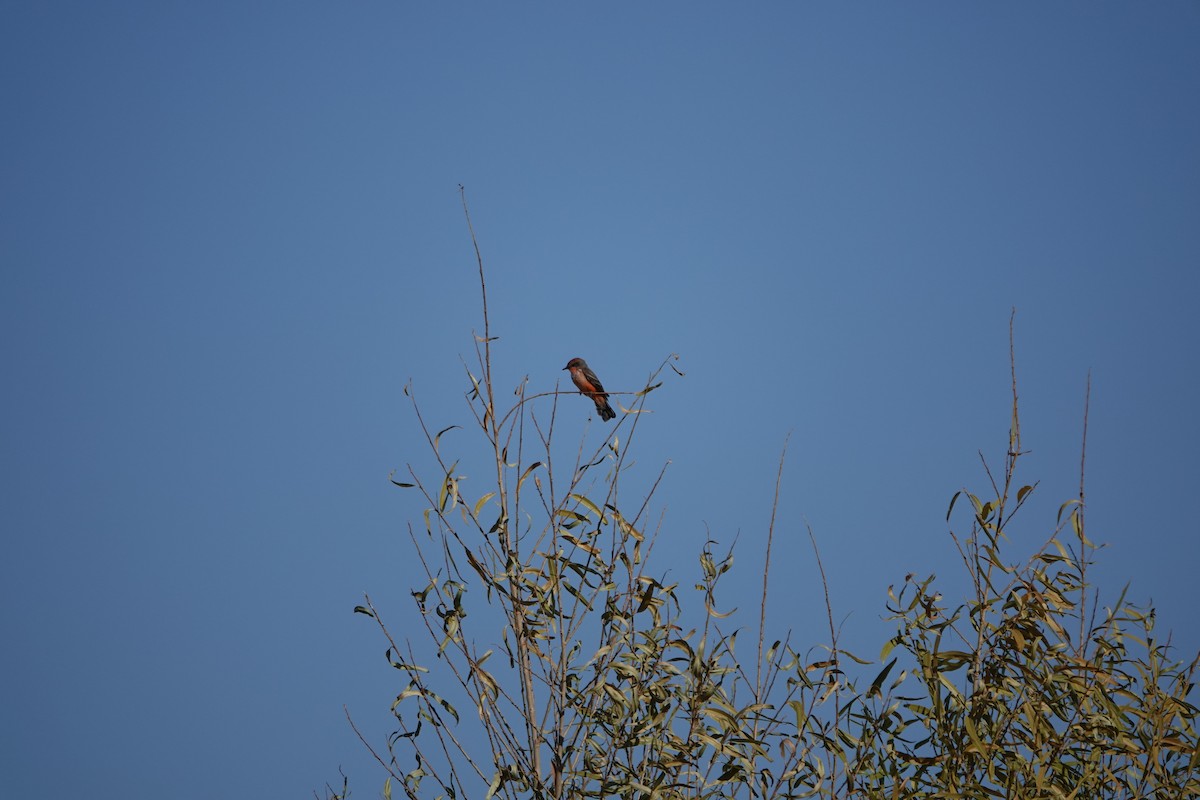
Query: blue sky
231,233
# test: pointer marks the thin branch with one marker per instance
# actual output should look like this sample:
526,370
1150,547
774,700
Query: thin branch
762,611
1014,439
1087,400
487,330
833,636
371,750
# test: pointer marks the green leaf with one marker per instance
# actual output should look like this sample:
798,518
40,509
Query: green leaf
647,598
449,490
953,500
951,660
944,681
731,771
399,483
973,733
1064,507
528,470
444,704
481,501
721,717
801,714
847,738
879,679
588,504
580,544
364,610
887,647
486,682
975,501
494,786
478,566
439,434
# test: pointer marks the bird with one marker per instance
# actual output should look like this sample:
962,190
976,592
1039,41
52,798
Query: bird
587,382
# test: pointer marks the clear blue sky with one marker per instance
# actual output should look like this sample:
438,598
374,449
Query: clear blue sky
230,234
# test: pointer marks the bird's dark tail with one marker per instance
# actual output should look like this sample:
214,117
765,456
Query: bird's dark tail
606,412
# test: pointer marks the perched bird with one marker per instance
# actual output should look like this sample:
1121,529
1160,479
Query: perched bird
589,384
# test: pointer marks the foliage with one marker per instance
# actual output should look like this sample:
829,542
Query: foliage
595,685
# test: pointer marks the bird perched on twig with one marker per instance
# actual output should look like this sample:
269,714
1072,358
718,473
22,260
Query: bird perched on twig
587,383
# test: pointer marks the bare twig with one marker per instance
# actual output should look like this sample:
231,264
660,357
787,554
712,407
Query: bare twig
1087,400
762,610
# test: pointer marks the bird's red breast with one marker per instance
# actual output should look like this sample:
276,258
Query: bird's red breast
586,381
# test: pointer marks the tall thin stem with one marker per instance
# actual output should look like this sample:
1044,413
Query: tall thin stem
508,541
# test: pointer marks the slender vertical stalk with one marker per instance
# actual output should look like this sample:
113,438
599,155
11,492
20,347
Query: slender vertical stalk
762,611
508,541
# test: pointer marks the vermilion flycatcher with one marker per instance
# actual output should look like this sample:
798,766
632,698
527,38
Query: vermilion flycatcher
587,382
